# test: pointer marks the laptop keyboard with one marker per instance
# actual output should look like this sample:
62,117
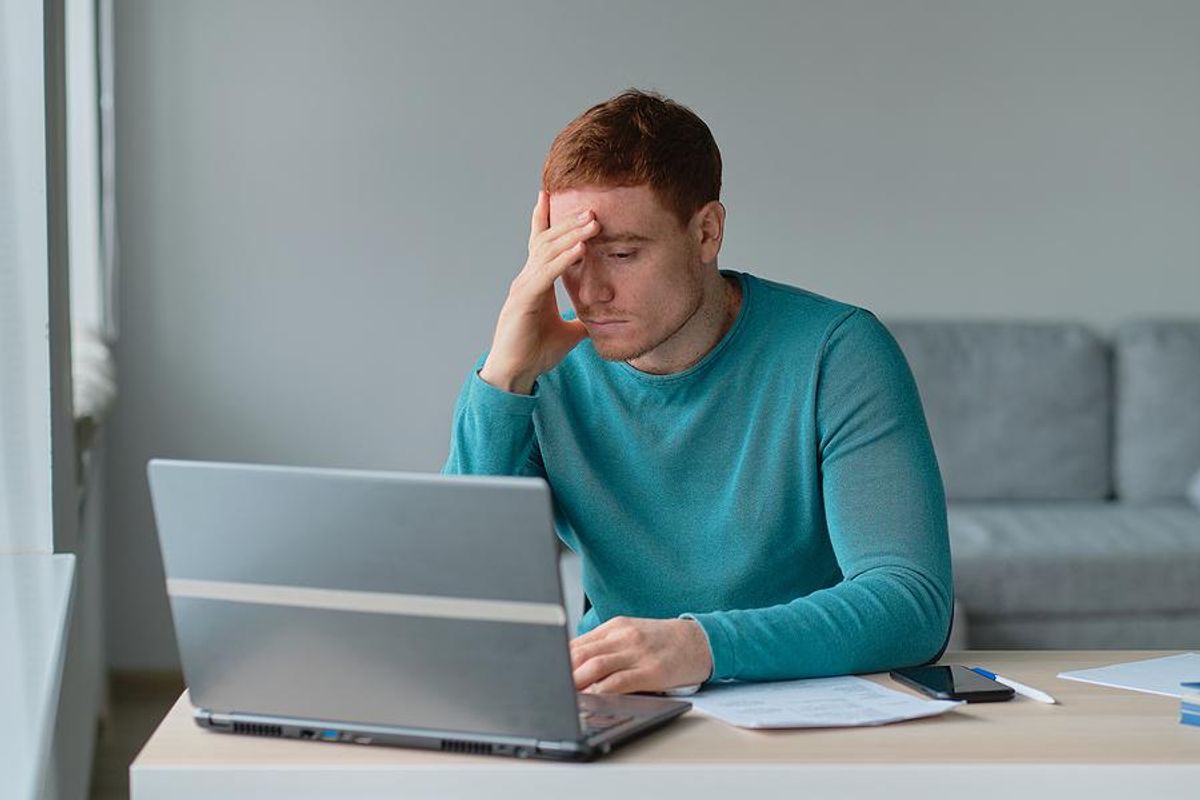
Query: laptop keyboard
596,721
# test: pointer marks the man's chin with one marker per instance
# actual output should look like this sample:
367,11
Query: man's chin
610,352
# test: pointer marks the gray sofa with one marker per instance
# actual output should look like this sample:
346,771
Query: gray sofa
1066,460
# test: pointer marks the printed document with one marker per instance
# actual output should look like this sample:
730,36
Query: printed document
813,703
1153,675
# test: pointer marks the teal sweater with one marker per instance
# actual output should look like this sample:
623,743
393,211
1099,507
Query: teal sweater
782,491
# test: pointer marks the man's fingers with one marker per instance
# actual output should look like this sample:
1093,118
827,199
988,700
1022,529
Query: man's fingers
541,277
600,667
583,651
541,214
552,250
581,230
569,246
549,241
597,633
623,682
549,233
536,279
584,647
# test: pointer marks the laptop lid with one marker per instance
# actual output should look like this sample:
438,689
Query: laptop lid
399,599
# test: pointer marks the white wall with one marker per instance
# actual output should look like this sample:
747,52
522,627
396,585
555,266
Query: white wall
322,204
26,467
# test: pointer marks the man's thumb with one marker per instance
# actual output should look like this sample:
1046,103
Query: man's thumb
578,330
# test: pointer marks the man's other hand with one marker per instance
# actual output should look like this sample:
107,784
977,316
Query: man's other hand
531,335
631,654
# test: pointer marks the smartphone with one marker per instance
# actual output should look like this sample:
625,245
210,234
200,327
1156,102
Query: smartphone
953,682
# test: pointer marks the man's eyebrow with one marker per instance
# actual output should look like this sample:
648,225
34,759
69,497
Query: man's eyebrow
620,236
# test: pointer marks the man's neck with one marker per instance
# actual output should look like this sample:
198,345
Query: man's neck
701,333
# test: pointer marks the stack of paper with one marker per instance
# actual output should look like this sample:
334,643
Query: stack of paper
1189,704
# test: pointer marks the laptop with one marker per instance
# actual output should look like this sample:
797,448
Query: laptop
379,608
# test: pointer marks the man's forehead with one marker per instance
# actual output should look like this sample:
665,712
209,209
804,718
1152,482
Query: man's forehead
624,212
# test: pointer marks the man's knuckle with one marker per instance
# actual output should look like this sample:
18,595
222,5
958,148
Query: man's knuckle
631,681
608,680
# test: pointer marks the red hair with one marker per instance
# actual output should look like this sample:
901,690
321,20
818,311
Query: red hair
638,138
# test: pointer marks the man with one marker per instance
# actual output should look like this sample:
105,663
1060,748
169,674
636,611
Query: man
743,466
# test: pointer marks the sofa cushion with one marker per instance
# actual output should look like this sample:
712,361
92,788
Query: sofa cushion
1075,558
1158,409
1075,632
1017,411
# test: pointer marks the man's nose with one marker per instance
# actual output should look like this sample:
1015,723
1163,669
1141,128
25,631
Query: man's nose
594,285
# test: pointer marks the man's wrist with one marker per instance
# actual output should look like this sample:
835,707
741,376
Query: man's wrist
516,384
702,646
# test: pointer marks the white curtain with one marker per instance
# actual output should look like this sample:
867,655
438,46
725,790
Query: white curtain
90,217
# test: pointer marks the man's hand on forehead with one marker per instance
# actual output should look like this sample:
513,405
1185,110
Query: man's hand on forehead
531,336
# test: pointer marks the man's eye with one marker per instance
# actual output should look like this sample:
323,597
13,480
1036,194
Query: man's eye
623,256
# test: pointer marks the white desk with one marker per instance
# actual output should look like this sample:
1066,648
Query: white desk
1098,743
35,615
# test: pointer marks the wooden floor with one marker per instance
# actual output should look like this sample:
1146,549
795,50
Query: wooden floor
137,703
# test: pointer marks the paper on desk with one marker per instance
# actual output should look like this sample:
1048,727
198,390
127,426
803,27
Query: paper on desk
813,703
1153,675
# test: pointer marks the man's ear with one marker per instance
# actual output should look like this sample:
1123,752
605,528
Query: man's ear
709,228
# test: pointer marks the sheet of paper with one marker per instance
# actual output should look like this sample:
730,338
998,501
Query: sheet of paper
1154,675
813,703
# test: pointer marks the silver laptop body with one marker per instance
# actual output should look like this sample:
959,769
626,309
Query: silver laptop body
379,608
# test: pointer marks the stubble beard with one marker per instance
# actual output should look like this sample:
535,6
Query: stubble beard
639,349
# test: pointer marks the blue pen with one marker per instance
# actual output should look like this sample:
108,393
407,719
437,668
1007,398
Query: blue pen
1019,688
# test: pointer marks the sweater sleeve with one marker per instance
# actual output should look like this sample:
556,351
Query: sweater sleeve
492,431
885,511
